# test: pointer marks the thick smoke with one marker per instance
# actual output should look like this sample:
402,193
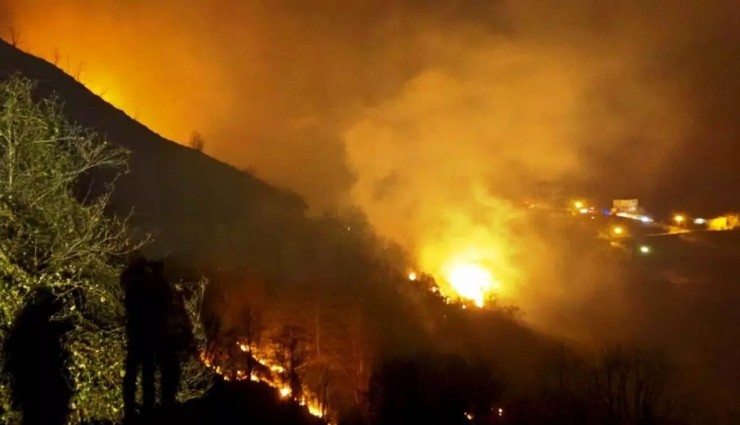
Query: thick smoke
436,120
606,94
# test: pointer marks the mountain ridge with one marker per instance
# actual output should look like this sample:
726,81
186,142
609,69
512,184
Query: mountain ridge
193,204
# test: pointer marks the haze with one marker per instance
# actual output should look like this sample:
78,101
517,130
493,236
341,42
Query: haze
434,121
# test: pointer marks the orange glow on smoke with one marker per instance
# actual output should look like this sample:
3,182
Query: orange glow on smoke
471,281
113,53
471,262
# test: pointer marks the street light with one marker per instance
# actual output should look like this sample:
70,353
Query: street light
679,219
618,230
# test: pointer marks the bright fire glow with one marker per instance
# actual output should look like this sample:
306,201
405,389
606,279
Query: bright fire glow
412,276
472,260
471,281
275,378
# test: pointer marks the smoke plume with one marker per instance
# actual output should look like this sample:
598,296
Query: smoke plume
436,120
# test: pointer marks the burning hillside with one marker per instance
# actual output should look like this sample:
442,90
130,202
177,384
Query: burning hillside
414,132
259,365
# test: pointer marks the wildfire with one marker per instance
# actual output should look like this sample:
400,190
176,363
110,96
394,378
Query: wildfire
466,277
468,269
274,378
471,281
471,252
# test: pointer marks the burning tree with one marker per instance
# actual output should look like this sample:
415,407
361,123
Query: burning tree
251,329
292,354
58,247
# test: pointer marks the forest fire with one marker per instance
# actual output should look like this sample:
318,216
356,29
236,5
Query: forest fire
469,273
259,368
471,281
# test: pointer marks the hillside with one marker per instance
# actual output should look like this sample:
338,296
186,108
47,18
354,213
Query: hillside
199,209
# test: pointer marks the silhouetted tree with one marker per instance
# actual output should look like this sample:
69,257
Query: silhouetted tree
196,141
432,389
250,330
629,386
15,37
292,354
616,386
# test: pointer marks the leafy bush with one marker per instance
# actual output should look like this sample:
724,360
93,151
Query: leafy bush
54,234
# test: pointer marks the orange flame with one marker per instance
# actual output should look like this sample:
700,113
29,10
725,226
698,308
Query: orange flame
276,381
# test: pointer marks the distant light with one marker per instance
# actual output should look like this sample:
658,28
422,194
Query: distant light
645,219
645,249
469,416
678,218
578,204
412,276
700,221
583,211
500,411
618,230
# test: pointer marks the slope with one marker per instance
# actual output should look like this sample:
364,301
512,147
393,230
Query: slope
197,208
